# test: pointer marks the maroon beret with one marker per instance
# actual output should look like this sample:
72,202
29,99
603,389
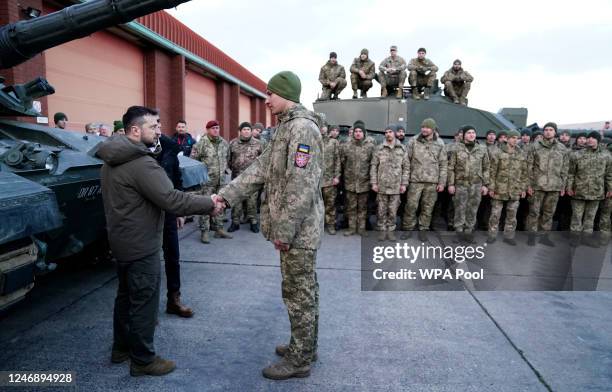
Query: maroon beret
212,123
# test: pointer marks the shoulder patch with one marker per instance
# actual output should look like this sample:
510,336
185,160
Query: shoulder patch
302,155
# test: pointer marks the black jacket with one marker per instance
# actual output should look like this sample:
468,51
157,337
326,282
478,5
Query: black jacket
168,160
185,142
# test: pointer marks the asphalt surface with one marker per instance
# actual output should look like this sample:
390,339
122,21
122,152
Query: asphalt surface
457,340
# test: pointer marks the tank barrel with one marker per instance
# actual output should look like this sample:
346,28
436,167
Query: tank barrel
24,39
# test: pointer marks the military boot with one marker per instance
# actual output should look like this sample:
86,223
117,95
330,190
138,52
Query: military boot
332,229
364,94
455,99
204,237
383,92
362,231
158,367
255,227
354,94
468,238
544,240
350,231
391,235
406,235
220,233
463,100
400,92
283,370
510,241
422,235
233,227
118,356
174,306
491,238
426,93
531,239
382,235
281,350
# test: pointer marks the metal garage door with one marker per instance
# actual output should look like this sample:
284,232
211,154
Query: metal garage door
200,101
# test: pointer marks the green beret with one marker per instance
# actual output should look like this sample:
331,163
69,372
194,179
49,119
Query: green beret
595,135
513,132
550,124
429,123
359,124
245,124
502,133
59,116
286,84
117,125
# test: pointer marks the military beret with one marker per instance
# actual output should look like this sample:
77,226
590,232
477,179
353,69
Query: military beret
258,125
581,134
429,123
365,51
490,131
117,125
513,132
422,50
526,132
59,116
457,61
393,47
595,135
245,124
286,84
333,55
550,124
359,124
391,127
212,123
502,133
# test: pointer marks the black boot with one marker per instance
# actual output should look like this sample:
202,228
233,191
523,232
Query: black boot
255,227
531,239
546,241
233,227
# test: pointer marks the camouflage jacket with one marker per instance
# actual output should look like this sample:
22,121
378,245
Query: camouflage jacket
456,77
356,157
428,160
290,171
331,73
243,153
263,141
547,164
367,66
508,173
389,168
491,148
399,64
215,156
590,173
467,167
421,66
331,161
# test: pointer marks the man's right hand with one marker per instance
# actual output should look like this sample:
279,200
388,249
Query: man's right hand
375,188
220,205
362,74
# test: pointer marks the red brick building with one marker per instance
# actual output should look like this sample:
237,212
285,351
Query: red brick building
154,61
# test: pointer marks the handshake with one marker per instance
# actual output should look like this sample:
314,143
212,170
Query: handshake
220,205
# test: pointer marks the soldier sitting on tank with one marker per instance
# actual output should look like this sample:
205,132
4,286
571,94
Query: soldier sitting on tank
422,74
363,71
333,78
392,73
457,82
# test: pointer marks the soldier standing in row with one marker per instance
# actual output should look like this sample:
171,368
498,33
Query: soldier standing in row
400,134
547,164
605,213
422,74
457,83
356,158
508,181
580,141
524,143
257,130
242,152
389,174
213,151
393,66
331,179
363,71
468,178
428,170
333,78
565,138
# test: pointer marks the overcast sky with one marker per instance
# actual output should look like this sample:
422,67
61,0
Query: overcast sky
552,57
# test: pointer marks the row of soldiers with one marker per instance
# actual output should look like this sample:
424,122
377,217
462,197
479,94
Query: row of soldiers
392,75
504,171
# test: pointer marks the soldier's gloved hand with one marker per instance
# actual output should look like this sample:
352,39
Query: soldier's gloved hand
335,181
440,188
484,190
451,189
375,188
402,188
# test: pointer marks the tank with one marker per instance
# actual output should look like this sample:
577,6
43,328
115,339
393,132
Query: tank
50,195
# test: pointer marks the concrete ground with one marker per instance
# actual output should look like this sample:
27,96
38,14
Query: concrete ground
368,341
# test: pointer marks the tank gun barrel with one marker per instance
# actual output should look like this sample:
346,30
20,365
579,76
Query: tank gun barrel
22,40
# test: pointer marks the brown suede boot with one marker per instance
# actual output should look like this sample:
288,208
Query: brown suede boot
158,367
119,356
383,93
174,306
220,233
204,238
400,92
283,370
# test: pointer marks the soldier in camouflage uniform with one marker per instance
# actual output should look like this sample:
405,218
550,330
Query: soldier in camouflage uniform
356,156
333,132
333,78
290,171
363,71
468,179
400,134
331,179
389,172
547,164
508,184
422,74
392,71
457,83
580,141
213,151
606,211
565,138
257,130
524,143
589,181
428,162
243,151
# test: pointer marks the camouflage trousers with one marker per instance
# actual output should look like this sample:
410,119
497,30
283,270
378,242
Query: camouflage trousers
542,207
251,209
466,201
417,79
604,218
205,222
327,92
386,211
583,215
394,80
360,84
425,195
301,297
456,90
329,200
357,209
510,223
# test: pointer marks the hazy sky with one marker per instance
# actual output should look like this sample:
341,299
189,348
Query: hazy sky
552,57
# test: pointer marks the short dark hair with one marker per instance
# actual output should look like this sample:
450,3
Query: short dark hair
180,122
135,116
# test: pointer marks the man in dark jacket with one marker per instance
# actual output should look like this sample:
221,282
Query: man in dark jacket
183,138
136,191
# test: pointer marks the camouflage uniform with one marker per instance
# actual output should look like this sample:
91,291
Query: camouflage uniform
368,67
215,155
428,168
508,179
547,164
417,69
389,170
457,84
468,171
242,154
590,177
290,171
331,170
332,73
400,72
356,157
